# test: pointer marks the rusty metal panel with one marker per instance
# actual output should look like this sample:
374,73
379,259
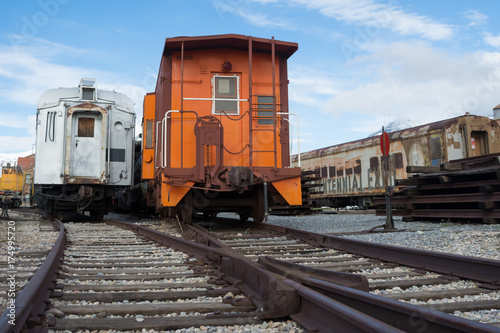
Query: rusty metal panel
355,167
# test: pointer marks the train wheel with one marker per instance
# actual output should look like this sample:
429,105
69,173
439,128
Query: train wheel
96,214
258,210
244,216
209,215
186,209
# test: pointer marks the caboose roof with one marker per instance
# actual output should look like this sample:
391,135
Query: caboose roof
233,41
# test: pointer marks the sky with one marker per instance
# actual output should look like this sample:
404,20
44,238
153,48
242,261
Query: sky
360,64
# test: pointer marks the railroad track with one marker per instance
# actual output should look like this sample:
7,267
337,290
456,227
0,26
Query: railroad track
20,256
464,286
112,278
115,279
107,284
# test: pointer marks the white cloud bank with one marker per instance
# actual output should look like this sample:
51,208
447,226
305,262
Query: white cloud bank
419,82
390,16
31,67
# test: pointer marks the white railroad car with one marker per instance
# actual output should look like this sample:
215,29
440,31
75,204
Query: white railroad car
84,148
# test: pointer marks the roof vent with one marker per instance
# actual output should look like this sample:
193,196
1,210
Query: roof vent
88,89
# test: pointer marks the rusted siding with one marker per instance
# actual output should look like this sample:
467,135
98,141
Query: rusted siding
357,168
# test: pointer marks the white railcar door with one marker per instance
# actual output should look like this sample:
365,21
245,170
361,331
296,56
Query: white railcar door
86,145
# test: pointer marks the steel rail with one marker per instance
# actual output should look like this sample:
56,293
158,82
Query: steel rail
34,299
323,314
342,301
407,317
273,297
478,269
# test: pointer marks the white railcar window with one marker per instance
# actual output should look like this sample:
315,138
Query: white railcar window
50,127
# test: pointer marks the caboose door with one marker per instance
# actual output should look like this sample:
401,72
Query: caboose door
86,145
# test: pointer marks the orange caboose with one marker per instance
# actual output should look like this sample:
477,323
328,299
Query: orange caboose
216,130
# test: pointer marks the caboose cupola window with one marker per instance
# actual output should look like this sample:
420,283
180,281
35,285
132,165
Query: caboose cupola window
88,89
226,94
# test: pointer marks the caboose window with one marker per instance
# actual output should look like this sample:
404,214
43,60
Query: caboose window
86,127
149,134
226,94
265,103
87,94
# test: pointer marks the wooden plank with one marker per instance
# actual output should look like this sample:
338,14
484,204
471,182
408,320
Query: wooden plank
305,256
140,286
142,264
450,166
165,323
140,296
151,309
464,306
148,277
407,283
422,169
69,260
390,275
437,294
345,263
91,271
322,259
488,199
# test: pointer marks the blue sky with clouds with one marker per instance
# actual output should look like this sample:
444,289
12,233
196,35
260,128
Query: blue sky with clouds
360,64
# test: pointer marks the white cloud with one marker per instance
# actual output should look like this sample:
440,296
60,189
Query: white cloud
261,20
32,67
310,87
256,19
31,70
370,13
492,40
266,1
14,143
418,82
476,18
12,157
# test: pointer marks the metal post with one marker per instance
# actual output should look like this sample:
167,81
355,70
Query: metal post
266,208
274,104
298,134
182,102
250,104
389,221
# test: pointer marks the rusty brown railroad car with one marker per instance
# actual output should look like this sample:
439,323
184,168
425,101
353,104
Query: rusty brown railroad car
215,130
353,173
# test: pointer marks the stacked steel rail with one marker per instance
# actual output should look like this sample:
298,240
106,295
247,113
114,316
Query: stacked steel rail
310,182
462,190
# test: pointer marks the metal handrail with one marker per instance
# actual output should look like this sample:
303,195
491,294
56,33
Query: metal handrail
298,134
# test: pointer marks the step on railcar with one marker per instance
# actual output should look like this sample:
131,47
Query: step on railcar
84,148
216,130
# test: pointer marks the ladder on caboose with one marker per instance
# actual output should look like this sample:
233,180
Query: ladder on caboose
253,109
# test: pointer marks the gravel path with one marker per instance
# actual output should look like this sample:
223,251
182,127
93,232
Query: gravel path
478,240
27,233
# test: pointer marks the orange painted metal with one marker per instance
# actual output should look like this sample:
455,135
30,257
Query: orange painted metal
172,195
290,190
148,138
232,151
